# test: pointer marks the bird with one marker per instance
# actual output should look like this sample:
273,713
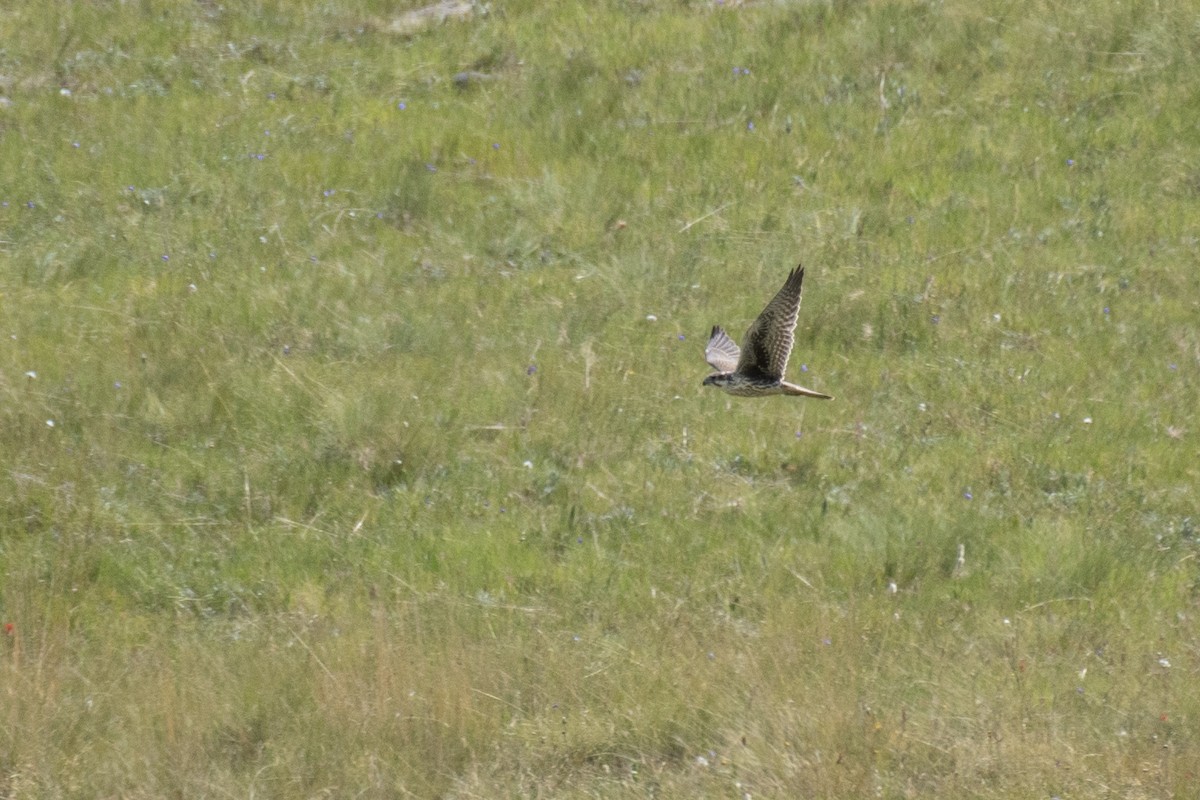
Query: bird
756,369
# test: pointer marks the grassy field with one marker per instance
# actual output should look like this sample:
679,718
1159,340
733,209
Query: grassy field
353,439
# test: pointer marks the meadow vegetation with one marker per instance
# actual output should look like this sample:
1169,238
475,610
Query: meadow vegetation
353,440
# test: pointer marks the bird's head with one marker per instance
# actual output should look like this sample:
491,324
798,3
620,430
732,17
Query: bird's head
718,379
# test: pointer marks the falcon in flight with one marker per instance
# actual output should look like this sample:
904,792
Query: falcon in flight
756,370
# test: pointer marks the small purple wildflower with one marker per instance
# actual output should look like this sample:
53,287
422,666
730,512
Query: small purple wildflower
495,145
750,125
967,495
116,384
1172,367
531,369
30,204
166,257
682,337
75,144
130,188
270,95
1106,310
827,641
402,105
313,259
4,204
260,156
804,367
935,319
1070,162
799,434
431,167
378,215
329,192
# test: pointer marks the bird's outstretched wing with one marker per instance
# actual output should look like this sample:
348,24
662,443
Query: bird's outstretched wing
721,352
768,343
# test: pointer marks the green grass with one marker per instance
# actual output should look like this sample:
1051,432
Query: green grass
352,449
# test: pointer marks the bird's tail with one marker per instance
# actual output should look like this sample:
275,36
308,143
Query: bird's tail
800,391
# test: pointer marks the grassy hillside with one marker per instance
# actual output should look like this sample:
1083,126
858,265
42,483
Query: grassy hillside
352,432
